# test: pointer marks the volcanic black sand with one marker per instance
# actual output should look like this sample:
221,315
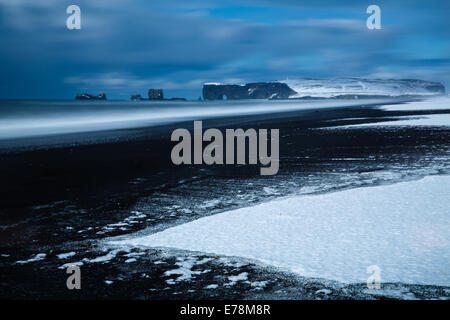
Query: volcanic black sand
65,194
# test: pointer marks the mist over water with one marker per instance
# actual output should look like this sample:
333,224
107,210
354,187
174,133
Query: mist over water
19,119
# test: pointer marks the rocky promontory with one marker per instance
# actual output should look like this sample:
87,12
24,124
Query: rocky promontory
86,96
337,88
258,90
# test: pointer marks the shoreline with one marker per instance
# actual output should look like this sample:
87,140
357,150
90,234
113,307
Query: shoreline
68,198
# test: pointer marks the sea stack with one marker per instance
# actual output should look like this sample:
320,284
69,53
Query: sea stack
155,94
136,97
86,96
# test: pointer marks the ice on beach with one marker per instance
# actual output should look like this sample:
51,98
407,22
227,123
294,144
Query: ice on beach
403,228
105,258
71,264
66,255
240,277
259,284
184,271
323,291
37,257
270,191
210,204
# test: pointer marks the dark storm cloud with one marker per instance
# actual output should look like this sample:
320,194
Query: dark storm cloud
126,47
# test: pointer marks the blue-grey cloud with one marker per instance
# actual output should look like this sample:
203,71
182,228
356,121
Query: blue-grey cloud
129,46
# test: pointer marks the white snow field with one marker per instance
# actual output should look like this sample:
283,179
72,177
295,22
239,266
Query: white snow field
403,228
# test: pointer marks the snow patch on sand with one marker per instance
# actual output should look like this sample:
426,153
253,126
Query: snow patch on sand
185,272
403,228
66,255
234,279
37,257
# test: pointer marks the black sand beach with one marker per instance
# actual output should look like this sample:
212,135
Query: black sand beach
65,194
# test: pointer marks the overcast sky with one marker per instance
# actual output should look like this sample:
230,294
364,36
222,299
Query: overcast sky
126,47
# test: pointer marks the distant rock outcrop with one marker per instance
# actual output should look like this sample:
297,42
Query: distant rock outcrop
85,96
155,94
259,90
136,97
